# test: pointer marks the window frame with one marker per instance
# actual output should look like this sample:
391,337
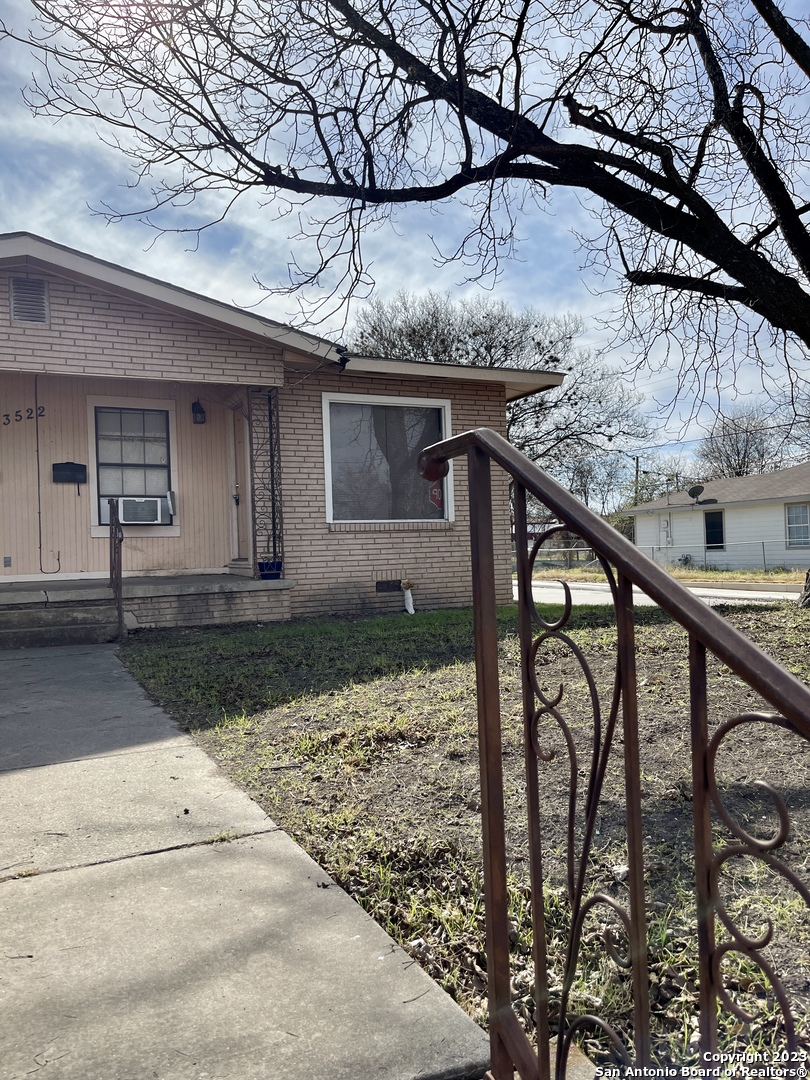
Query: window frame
797,543
706,544
162,405
404,402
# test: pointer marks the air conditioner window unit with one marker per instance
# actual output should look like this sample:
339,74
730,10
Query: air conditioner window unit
139,511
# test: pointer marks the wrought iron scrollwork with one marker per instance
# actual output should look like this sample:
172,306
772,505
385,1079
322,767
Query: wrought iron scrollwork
577,856
750,846
265,469
545,708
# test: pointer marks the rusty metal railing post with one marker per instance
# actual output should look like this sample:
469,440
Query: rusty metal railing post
701,810
116,564
708,633
489,736
635,849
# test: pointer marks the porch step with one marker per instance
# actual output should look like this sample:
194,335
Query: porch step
241,567
57,624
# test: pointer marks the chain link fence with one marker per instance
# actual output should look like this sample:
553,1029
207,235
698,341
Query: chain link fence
766,555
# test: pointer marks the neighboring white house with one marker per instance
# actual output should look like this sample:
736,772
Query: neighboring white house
756,522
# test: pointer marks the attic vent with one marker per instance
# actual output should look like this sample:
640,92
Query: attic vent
29,301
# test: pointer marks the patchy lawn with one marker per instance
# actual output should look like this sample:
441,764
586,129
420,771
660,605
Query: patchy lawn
360,738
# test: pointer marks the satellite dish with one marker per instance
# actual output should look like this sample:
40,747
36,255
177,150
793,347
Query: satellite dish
695,492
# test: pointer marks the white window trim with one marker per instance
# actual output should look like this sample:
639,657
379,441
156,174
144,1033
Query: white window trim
375,399
791,545
165,405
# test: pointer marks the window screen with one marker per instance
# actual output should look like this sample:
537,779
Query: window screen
713,523
374,454
132,455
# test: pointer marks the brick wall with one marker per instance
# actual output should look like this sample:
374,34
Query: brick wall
209,609
93,332
336,566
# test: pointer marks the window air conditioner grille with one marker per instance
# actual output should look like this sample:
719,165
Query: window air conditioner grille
29,301
139,511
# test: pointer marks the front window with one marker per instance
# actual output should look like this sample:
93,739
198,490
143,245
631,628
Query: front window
798,525
713,525
132,457
372,453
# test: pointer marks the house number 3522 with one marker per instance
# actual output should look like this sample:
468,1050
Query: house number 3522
22,414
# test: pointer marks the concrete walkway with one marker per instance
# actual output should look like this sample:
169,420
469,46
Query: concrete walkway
133,947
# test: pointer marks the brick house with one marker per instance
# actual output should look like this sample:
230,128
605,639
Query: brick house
259,473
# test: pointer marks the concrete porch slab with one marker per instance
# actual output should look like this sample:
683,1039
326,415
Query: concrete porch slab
80,590
230,961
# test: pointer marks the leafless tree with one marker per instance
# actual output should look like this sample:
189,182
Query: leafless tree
747,440
593,412
683,124
658,474
596,479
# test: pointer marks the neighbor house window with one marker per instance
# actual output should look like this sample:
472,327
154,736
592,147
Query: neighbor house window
132,457
372,448
798,525
713,526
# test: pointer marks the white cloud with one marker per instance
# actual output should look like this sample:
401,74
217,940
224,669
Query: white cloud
52,175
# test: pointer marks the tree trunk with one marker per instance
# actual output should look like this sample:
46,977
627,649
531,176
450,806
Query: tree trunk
804,599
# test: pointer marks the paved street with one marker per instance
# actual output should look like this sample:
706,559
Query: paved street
593,592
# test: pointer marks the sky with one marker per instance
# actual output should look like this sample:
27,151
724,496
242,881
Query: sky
55,178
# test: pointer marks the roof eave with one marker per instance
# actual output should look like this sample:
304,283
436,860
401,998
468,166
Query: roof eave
517,383
35,253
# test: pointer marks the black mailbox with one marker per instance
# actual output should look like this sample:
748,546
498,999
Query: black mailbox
69,472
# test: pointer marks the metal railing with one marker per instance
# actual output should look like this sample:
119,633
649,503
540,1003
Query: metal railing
116,563
625,567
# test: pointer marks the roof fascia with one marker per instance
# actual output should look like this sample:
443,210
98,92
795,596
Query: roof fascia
518,383
721,504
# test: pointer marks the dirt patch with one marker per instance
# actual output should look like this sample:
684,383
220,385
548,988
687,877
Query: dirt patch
379,780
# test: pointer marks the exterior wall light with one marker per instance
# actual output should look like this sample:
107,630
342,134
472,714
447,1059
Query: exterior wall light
198,412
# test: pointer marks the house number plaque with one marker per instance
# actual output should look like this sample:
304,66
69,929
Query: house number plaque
22,414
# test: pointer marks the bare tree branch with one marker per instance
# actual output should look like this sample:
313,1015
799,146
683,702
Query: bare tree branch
686,122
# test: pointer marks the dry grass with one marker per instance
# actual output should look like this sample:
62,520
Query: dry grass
360,738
